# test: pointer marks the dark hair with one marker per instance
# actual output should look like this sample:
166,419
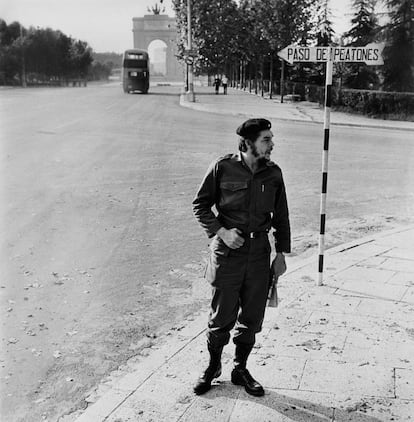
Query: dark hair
243,141
242,145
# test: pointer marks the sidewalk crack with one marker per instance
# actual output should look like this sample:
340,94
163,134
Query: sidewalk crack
303,373
187,409
234,405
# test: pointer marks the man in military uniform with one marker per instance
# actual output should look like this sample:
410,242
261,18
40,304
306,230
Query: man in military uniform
248,192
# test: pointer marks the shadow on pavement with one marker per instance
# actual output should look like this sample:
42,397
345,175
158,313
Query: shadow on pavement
283,405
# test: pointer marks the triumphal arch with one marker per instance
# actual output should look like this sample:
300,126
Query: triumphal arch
162,28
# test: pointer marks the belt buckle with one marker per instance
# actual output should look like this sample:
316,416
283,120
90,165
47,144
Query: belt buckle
252,235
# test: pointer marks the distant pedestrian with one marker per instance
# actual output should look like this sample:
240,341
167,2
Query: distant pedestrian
224,82
248,193
217,83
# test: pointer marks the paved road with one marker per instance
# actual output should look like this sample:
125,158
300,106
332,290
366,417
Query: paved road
102,253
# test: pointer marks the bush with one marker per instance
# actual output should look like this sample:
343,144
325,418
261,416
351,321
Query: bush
381,104
315,93
376,103
307,92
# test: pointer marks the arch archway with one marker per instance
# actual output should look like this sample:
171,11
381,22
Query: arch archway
157,51
160,28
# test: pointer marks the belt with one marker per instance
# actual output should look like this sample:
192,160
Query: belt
255,235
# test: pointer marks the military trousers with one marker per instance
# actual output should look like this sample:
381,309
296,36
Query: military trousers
240,282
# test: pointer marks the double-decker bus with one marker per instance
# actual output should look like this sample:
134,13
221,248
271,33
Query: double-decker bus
135,71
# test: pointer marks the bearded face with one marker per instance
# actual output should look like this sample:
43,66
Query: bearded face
262,147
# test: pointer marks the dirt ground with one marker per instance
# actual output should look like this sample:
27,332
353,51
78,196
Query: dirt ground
104,258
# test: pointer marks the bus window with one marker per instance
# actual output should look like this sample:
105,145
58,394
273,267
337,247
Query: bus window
135,63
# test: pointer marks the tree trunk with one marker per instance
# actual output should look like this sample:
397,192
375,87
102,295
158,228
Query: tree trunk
261,77
250,77
282,80
271,77
256,76
240,74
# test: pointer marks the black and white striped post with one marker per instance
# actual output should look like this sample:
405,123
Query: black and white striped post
325,154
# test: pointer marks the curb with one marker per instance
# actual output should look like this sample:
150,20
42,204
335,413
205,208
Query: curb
202,108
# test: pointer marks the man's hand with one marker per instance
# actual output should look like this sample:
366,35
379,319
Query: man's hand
279,264
232,237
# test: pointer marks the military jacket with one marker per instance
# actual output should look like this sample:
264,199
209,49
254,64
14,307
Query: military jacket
251,202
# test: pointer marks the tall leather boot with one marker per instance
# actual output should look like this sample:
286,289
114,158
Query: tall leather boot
240,375
213,370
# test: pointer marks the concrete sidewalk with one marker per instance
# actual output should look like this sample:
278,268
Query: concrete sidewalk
243,103
339,352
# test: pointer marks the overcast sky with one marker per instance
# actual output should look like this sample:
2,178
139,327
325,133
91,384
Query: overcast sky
107,24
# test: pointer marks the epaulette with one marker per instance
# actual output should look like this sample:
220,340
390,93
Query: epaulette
226,157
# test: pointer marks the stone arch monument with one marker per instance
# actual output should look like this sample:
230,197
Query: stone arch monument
163,28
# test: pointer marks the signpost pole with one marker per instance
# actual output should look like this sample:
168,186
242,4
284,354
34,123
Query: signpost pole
271,77
326,127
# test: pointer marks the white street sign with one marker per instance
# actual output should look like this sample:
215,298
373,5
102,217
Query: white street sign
371,54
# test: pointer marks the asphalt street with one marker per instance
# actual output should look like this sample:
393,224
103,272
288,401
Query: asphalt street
101,251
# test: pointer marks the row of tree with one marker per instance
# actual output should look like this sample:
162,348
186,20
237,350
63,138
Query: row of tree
242,38
40,55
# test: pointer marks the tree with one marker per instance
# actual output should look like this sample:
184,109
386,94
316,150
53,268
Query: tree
365,23
9,33
13,43
284,22
287,22
215,32
399,51
365,30
324,30
276,24
230,36
42,54
80,58
321,33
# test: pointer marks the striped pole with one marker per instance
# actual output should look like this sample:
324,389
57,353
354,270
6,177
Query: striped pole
326,125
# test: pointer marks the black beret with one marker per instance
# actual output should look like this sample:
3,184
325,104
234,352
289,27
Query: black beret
252,127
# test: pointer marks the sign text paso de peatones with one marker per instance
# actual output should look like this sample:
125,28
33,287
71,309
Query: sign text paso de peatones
371,54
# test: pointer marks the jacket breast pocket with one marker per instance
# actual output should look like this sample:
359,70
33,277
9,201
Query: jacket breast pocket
266,198
233,195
